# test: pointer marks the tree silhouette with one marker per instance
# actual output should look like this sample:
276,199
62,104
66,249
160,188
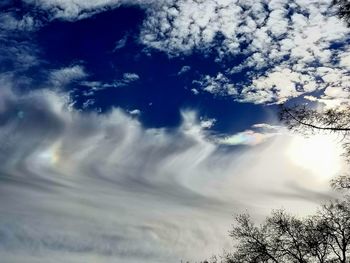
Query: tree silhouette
304,119
283,238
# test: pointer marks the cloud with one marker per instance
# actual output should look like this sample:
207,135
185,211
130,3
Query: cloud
121,43
258,134
207,123
17,51
127,79
266,126
9,22
183,70
130,77
135,112
284,44
64,76
248,137
194,91
219,85
279,86
80,9
80,186
181,26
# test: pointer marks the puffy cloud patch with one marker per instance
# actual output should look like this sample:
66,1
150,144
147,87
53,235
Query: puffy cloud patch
207,123
9,22
219,85
284,43
278,86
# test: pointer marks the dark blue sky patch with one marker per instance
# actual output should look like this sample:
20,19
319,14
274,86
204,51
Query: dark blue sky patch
91,40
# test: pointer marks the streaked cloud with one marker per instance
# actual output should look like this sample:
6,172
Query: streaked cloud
121,43
130,77
83,186
258,134
80,9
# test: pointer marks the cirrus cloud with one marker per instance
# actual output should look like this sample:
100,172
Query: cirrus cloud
77,186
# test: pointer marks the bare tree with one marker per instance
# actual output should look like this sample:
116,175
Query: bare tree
322,238
304,119
281,238
336,218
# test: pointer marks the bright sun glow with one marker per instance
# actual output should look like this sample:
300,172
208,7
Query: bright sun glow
321,155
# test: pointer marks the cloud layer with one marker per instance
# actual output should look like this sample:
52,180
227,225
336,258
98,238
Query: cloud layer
82,186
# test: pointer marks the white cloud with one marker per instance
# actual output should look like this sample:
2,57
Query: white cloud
247,137
130,77
278,86
176,26
9,22
82,186
206,123
194,91
135,112
64,76
79,9
217,85
266,126
121,43
17,51
287,40
125,80
258,134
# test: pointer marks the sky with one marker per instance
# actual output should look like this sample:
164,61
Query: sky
135,130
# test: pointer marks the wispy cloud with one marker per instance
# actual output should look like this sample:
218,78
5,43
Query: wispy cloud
183,70
64,76
82,185
80,9
121,43
126,80
258,134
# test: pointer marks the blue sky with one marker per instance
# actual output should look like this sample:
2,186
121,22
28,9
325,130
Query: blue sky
132,131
